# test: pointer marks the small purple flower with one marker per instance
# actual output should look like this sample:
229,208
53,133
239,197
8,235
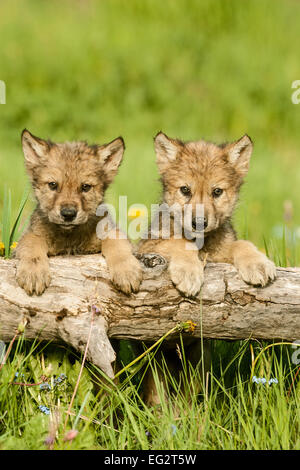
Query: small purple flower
59,379
49,441
174,429
44,409
17,374
45,386
263,380
273,381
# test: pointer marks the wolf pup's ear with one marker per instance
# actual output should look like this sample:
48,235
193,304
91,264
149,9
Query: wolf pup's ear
239,154
166,150
34,149
110,157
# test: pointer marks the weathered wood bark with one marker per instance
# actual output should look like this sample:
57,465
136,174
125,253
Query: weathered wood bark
227,308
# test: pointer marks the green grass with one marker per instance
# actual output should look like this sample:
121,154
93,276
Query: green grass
211,69
234,413
215,70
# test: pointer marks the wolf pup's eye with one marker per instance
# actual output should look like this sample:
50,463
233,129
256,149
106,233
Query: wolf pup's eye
217,192
185,190
53,186
85,188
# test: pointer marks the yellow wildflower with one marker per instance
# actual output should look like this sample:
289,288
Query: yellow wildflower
135,212
189,326
14,245
2,249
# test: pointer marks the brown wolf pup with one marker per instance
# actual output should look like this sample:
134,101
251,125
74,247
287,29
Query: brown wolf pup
69,180
204,173
208,174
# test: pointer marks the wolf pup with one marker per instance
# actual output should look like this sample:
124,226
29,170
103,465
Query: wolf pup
204,173
69,180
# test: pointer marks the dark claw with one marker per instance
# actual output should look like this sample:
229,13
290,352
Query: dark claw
151,260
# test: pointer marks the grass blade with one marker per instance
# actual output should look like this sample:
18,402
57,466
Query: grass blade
6,221
18,218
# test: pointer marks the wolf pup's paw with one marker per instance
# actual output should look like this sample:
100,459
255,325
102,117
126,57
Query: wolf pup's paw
187,277
33,276
127,275
257,271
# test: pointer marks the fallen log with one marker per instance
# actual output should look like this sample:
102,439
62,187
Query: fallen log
227,308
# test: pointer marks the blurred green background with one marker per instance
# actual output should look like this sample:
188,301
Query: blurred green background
212,69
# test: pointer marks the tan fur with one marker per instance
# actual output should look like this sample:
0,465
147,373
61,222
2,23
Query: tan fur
202,167
70,166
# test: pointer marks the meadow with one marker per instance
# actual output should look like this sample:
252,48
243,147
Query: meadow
94,70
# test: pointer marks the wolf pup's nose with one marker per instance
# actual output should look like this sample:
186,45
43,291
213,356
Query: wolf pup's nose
68,213
199,223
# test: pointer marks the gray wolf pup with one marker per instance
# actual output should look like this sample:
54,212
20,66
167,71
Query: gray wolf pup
194,173
69,181
204,173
